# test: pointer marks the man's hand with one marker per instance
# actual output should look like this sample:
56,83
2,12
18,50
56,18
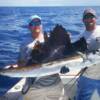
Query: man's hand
11,66
64,70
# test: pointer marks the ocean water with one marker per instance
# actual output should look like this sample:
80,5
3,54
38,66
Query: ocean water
13,29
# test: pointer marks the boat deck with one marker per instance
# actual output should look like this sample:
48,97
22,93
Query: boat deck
14,93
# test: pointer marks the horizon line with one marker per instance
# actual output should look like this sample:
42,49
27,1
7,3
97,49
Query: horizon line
47,6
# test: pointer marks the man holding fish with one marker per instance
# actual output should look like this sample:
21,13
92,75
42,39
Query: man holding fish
89,82
43,88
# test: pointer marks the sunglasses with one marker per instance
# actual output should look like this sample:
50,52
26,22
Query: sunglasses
88,16
35,23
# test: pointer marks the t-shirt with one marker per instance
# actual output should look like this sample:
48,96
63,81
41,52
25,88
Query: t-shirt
27,47
93,42
92,38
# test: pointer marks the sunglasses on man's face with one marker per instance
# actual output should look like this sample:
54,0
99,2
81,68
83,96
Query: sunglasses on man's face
35,23
88,16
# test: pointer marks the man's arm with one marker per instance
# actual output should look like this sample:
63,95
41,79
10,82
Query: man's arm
21,58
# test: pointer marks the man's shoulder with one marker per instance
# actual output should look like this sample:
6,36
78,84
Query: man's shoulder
98,27
97,31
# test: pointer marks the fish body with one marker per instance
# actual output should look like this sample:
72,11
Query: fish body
38,70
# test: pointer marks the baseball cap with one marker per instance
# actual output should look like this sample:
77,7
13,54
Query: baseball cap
89,11
34,20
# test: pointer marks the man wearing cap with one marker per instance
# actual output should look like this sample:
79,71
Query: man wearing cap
43,88
37,36
89,82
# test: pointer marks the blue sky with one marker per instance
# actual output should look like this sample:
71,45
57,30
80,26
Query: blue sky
49,2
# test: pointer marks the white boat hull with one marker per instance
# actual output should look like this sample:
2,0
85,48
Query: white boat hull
15,91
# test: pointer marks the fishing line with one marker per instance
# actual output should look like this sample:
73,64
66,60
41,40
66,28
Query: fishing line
80,73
